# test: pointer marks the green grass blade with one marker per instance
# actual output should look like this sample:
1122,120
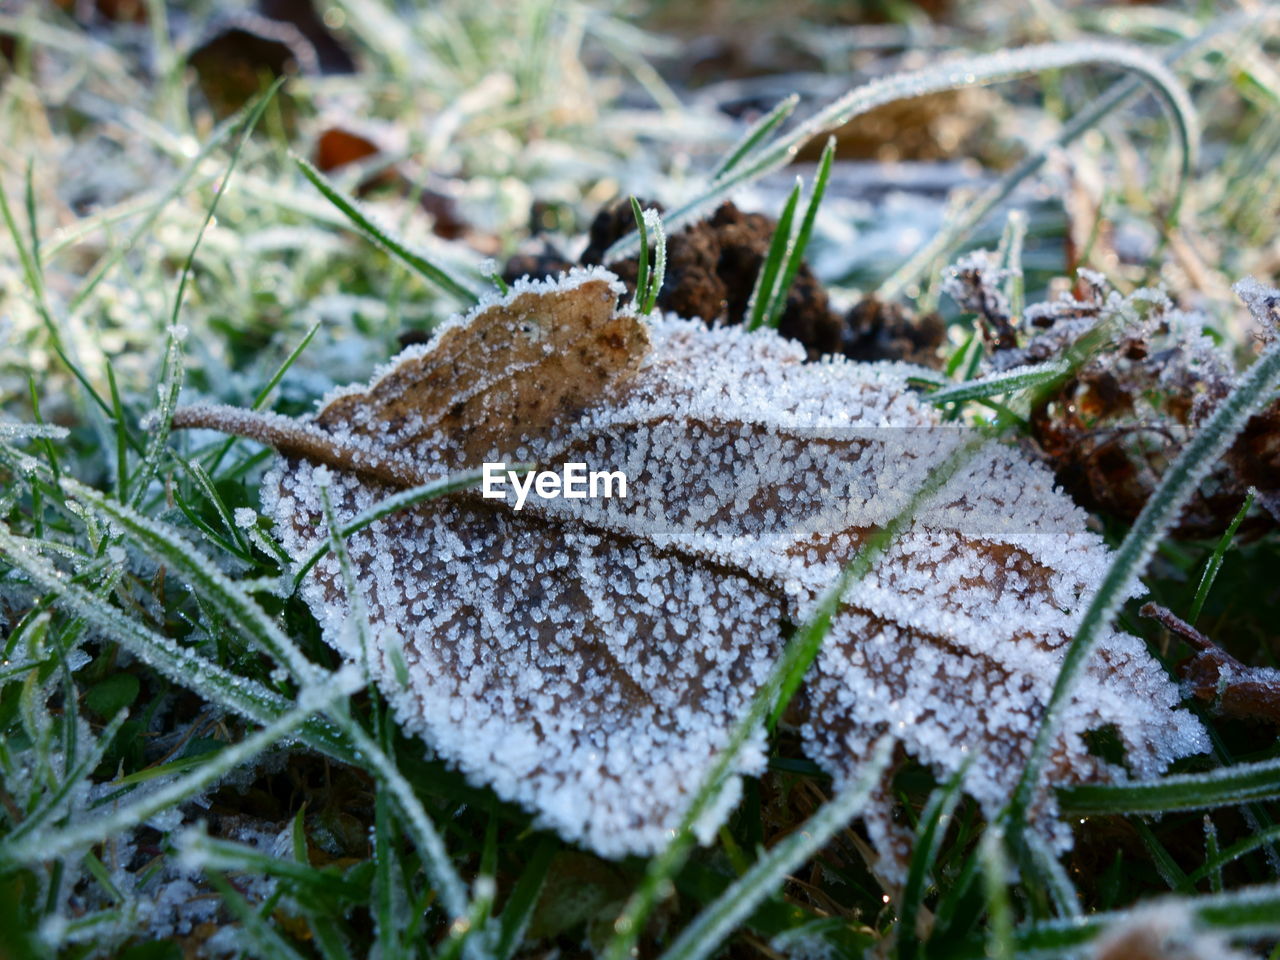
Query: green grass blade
642,255
30,265
1212,854
49,844
523,900
167,391
357,611
172,371
795,254
32,431
466,931
210,853
717,922
756,135
387,906
1214,563
31,271
1010,381
122,438
1163,861
324,927
180,555
932,828
653,227
1217,860
260,400
184,667
995,875
1064,895
1194,791
250,122
265,941
1244,913
33,228
955,74
204,483
53,805
771,266
419,826
1010,256
413,259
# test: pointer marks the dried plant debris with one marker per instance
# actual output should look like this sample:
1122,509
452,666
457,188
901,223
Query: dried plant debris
230,62
342,140
587,658
880,330
1216,677
976,284
331,54
711,270
1163,931
283,38
1112,428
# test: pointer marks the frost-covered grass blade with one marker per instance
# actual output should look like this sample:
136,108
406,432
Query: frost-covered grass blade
415,260
961,72
714,925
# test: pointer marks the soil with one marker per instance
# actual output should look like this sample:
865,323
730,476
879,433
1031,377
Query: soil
712,267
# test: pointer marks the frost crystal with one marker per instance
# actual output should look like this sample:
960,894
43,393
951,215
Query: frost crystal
588,658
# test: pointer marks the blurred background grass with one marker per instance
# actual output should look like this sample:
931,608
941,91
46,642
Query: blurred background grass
486,131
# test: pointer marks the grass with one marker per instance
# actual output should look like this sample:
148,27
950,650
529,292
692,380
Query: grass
186,766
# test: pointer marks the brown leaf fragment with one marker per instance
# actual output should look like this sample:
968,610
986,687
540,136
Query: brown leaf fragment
243,48
877,330
538,358
1216,677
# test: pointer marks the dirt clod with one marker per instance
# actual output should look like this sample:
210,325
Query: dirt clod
712,267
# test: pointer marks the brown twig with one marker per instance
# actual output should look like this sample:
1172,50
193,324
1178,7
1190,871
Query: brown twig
294,438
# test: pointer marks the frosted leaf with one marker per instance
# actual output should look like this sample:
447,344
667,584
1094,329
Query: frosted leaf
534,357
587,658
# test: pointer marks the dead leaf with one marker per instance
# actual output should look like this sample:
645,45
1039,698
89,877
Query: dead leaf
588,658
1216,677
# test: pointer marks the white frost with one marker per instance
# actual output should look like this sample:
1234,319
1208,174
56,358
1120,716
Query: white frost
588,658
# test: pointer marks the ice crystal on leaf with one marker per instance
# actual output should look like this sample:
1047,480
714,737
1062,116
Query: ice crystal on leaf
588,658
